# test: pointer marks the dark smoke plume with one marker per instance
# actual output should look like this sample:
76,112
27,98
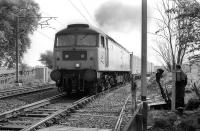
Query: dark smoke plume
115,16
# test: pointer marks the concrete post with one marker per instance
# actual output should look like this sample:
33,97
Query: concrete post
144,63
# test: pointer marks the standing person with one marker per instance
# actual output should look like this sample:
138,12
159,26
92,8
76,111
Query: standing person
181,82
158,77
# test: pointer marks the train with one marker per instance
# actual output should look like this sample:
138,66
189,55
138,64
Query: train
86,60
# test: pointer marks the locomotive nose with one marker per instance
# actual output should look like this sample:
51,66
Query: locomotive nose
55,75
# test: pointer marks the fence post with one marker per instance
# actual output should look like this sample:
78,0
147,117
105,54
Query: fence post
139,122
133,93
145,113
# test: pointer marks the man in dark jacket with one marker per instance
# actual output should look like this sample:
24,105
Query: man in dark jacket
158,77
181,82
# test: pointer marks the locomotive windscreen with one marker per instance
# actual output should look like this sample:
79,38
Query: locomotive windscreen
77,40
65,40
86,40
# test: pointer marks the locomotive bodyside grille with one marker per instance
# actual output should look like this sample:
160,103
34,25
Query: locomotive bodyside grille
74,55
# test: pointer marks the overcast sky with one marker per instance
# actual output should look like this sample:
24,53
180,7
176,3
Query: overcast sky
119,19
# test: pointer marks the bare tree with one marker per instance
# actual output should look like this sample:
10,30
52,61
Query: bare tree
177,28
164,52
167,31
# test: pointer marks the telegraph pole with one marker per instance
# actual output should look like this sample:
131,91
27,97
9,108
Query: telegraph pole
144,63
144,50
17,18
17,49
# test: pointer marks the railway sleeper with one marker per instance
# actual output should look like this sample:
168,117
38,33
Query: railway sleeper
45,109
12,127
15,122
21,122
34,115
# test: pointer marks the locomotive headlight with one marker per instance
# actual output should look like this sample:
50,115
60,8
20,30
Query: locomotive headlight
66,56
82,56
77,65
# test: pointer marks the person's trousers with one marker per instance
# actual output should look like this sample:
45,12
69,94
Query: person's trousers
180,91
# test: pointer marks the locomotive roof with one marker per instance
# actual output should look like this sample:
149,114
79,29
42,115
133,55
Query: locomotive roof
85,28
78,28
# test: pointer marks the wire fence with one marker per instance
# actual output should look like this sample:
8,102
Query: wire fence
11,78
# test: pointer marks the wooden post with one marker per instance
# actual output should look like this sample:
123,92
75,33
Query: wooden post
133,94
17,49
173,103
144,62
139,126
145,114
133,86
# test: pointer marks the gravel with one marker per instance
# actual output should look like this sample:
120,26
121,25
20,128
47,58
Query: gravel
127,115
90,121
10,104
102,113
30,98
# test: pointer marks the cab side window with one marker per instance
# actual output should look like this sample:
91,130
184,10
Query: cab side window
102,42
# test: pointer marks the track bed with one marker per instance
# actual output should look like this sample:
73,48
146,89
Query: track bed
103,112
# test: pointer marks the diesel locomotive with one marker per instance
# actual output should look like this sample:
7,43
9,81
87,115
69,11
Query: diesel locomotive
86,60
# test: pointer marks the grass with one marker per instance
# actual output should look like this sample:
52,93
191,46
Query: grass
167,120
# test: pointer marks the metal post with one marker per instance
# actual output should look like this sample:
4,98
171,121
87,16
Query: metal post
17,49
144,62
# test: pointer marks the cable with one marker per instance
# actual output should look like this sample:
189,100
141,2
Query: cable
86,10
45,35
79,12
83,14
54,19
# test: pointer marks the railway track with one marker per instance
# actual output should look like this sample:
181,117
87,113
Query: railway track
104,112
24,90
46,113
122,113
22,117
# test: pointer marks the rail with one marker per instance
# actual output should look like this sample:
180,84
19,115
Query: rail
119,121
15,112
138,121
49,119
57,113
25,90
